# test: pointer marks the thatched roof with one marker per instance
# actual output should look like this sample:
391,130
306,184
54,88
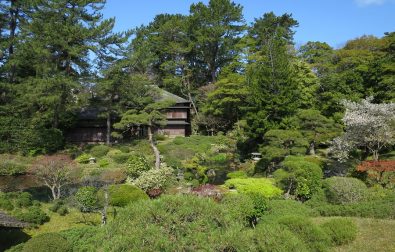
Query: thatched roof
11,222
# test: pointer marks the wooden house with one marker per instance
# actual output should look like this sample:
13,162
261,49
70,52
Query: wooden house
91,127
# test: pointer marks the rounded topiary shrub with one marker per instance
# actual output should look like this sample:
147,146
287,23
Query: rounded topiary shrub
121,195
312,235
342,190
98,151
341,231
47,242
83,158
276,238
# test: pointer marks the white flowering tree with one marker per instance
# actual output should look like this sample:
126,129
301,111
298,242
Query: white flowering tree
368,126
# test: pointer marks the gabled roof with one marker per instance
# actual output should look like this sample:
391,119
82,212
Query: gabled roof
165,95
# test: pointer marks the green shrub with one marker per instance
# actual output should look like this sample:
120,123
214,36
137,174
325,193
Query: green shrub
56,205
122,195
175,223
86,198
341,231
342,190
62,211
155,179
159,137
299,176
288,207
24,199
32,215
236,174
83,238
99,151
263,186
11,167
124,148
118,156
240,207
5,204
136,165
83,158
313,236
104,163
369,209
47,242
275,238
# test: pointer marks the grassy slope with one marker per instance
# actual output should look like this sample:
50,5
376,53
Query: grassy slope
373,235
58,223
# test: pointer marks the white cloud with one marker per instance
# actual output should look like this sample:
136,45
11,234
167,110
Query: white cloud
363,3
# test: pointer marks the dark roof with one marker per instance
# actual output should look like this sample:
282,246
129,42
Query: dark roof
9,221
165,95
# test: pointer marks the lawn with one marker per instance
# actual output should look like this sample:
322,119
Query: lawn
373,235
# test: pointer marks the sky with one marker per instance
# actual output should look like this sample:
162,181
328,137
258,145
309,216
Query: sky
331,21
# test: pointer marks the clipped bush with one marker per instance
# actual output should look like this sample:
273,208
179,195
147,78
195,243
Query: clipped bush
56,205
342,190
83,238
104,162
118,156
32,215
99,151
341,231
312,235
124,149
299,177
289,207
136,165
155,179
86,198
236,174
263,186
62,211
122,195
24,199
47,242
5,204
83,158
240,207
275,238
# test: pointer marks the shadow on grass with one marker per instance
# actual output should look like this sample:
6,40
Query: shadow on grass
11,236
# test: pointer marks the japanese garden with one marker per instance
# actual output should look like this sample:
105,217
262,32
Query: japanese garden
194,132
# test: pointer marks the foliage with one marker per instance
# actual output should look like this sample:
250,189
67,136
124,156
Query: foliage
104,162
278,208
83,158
367,125
118,156
280,143
381,172
11,167
342,190
55,171
341,231
155,179
87,199
273,237
314,237
99,151
82,238
122,195
47,242
262,186
136,165
33,215
299,177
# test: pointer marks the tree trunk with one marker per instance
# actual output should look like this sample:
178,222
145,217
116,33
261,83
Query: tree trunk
53,192
108,137
154,148
104,212
375,155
